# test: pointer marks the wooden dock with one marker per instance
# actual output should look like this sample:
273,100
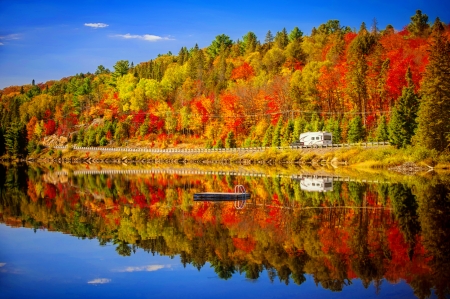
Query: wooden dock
239,194
220,196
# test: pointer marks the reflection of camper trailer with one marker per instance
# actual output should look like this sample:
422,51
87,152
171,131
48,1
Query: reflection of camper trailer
316,138
313,184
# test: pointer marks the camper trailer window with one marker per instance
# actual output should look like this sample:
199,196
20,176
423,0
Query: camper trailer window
327,137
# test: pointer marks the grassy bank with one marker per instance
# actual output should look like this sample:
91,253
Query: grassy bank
357,157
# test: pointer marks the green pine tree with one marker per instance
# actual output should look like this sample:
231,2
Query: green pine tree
288,135
230,141
16,140
281,39
316,124
103,141
403,120
143,129
219,144
209,144
247,142
333,126
267,140
299,127
355,130
419,24
295,34
276,137
2,142
433,130
382,133
269,38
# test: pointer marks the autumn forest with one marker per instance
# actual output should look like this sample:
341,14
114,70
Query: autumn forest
361,85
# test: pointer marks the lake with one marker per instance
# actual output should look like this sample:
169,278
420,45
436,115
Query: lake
135,231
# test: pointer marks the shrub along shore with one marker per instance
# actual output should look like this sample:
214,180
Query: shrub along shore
383,157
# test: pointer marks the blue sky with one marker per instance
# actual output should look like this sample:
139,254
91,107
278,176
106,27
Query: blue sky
48,40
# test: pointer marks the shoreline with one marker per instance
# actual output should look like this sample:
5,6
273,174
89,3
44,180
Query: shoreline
380,157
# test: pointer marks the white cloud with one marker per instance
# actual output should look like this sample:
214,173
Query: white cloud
10,36
99,281
148,268
147,37
2,264
1,44
96,25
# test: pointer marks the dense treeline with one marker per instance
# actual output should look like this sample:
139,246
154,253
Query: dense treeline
399,234
366,85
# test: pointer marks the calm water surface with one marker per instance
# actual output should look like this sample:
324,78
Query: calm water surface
83,234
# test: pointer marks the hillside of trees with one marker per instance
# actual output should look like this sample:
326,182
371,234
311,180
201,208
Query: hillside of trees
363,85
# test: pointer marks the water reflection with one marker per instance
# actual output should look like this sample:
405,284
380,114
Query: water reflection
316,184
374,232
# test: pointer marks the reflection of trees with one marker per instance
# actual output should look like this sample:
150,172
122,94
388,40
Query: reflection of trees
224,269
278,231
13,187
366,267
122,248
252,270
434,218
405,209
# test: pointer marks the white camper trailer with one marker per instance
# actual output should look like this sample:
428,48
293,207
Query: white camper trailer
314,184
316,138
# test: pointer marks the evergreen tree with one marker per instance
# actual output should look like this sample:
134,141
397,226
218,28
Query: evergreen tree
219,144
196,64
103,141
356,130
16,139
299,127
249,43
333,126
388,30
2,142
269,38
382,133
276,137
267,140
316,124
121,68
209,144
434,111
295,34
247,142
181,56
419,24
294,51
288,135
282,39
143,129
221,43
102,70
403,120
230,141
